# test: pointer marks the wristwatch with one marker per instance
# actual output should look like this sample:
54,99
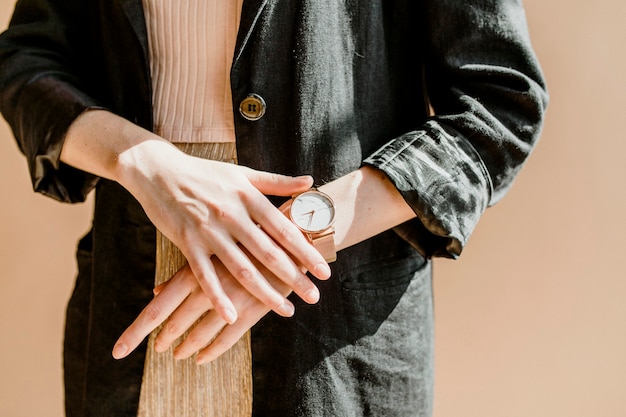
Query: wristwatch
313,212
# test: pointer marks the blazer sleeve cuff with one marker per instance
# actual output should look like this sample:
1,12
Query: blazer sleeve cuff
52,107
442,177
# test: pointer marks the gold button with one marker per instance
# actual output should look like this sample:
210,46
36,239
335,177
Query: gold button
252,107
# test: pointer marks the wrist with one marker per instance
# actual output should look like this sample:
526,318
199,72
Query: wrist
145,161
367,203
109,146
344,192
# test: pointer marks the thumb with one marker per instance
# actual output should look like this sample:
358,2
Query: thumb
270,183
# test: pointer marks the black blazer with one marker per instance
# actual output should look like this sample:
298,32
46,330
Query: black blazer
445,96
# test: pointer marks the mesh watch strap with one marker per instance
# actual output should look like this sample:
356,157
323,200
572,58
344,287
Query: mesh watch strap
325,244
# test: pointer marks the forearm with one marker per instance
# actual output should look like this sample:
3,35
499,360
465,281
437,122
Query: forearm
111,147
367,203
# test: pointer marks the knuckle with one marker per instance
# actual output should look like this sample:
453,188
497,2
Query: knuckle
245,276
202,276
244,196
195,340
203,281
172,327
225,214
217,211
287,233
153,313
271,257
276,178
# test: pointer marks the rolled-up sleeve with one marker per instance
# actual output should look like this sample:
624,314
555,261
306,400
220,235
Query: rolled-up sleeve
488,95
40,95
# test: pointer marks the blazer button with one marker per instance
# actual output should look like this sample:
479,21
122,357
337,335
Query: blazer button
252,107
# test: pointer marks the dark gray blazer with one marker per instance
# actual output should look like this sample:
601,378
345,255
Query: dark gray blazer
345,83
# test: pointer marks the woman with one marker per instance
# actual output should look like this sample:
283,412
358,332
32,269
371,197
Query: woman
337,91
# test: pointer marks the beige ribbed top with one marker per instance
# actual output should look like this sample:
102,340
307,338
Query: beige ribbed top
191,50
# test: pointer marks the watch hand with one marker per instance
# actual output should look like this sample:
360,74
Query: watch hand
311,218
310,214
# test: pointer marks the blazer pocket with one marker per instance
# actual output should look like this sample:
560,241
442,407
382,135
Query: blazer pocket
384,274
376,299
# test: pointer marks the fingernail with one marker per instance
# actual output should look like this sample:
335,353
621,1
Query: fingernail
178,355
120,350
313,295
158,347
287,309
230,316
156,290
201,360
321,270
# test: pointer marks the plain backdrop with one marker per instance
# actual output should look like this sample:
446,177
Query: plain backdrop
529,322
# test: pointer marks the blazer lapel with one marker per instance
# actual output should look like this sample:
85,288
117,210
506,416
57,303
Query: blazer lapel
134,13
250,13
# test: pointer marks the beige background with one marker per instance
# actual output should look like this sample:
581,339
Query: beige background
531,320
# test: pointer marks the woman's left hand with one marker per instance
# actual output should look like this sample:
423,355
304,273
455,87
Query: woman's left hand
180,302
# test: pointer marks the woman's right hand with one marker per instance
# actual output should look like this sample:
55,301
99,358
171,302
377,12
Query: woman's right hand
205,208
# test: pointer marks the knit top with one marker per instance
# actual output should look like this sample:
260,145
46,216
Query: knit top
191,50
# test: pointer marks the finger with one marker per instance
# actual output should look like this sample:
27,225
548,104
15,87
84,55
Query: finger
182,319
274,259
155,313
200,335
284,231
252,310
204,272
156,290
289,237
276,184
240,266
210,325
230,335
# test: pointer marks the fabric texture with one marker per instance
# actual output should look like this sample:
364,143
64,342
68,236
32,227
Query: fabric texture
191,47
346,84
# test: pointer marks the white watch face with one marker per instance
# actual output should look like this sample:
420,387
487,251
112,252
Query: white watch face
313,211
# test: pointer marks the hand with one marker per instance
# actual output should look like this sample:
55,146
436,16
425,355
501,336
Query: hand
351,193
204,207
208,207
180,302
